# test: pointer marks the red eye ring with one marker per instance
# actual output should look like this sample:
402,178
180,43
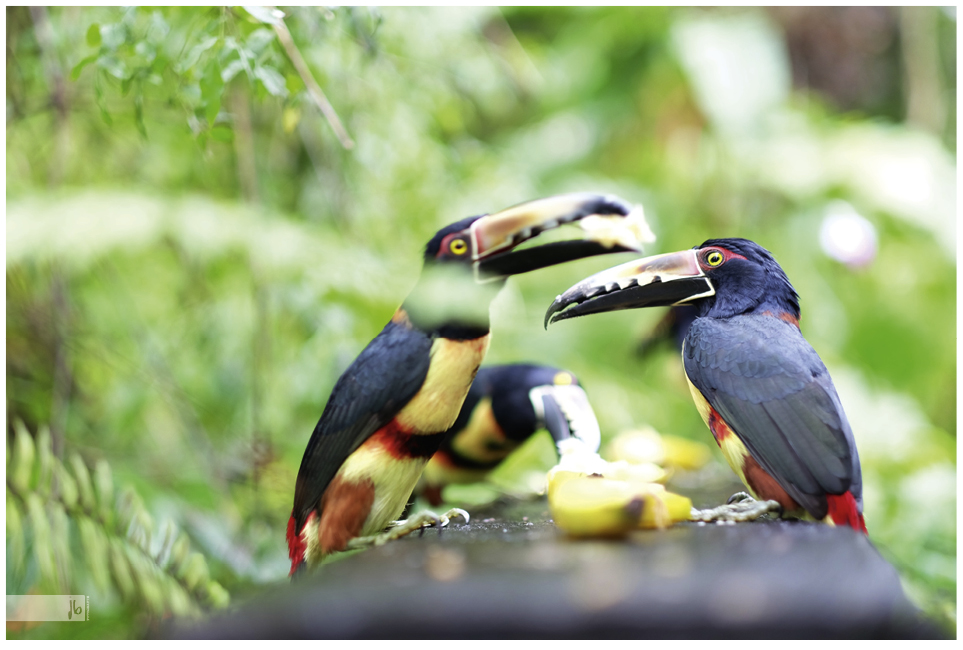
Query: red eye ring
714,257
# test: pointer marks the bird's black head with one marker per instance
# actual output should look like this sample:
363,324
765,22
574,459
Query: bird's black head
452,243
720,278
746,278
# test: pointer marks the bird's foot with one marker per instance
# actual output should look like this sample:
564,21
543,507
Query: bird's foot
739,497
399,529
739,508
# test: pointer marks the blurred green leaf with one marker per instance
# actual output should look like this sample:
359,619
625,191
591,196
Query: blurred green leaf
69,492
16,548
84,486
77,69
259,39
272,80
95,553
112,66
42,540
212,87
23,458
222,133
45,462
194,54
93,35
231,70
105,491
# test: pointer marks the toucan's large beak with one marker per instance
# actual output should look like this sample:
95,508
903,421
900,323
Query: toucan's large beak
495,236
660,280
566,412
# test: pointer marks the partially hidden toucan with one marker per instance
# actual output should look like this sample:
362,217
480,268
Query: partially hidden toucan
390,410
504,407
761,388
671,328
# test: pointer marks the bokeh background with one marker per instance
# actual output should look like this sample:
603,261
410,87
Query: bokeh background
211,211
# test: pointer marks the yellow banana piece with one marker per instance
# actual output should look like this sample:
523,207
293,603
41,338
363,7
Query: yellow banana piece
557,477
684,453
663,508
595,507
635,472
646,445
592,506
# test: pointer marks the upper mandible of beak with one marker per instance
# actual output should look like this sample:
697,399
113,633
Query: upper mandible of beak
512,226
611,225
660,280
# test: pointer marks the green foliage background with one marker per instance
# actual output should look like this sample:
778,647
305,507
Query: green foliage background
194,254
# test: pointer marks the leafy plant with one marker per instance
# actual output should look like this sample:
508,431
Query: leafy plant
52,505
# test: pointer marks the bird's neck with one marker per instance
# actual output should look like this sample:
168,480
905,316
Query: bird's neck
775,308
780,312
449,303
448,329
766,293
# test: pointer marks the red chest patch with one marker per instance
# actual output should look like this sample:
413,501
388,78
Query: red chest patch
401,443
720,430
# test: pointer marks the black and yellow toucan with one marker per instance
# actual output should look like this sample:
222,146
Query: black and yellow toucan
390,410
504,407
761,388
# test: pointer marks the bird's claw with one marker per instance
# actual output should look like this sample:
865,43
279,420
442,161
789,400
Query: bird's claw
744,509
399,529
739,497
456,512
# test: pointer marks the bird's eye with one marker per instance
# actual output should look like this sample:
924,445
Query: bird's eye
458,246
714,258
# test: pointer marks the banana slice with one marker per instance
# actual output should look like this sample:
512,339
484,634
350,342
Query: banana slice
631,231
557,477
578,459
646,445
684,453
589,506
664,509
635,472
595,507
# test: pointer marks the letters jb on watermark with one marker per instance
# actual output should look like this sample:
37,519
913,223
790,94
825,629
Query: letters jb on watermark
47,608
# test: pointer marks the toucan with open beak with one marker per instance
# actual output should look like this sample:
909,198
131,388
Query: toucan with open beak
390,410
761,388
505,406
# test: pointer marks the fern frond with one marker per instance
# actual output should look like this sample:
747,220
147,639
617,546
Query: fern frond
50,504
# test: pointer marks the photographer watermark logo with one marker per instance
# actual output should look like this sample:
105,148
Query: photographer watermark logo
47,608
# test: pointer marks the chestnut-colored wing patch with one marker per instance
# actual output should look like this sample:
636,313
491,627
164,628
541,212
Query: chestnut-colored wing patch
344,507
765,486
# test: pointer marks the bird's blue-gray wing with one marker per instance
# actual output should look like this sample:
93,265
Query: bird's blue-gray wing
772,389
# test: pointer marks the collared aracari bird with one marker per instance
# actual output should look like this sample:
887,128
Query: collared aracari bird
762,390
390,410
504,407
